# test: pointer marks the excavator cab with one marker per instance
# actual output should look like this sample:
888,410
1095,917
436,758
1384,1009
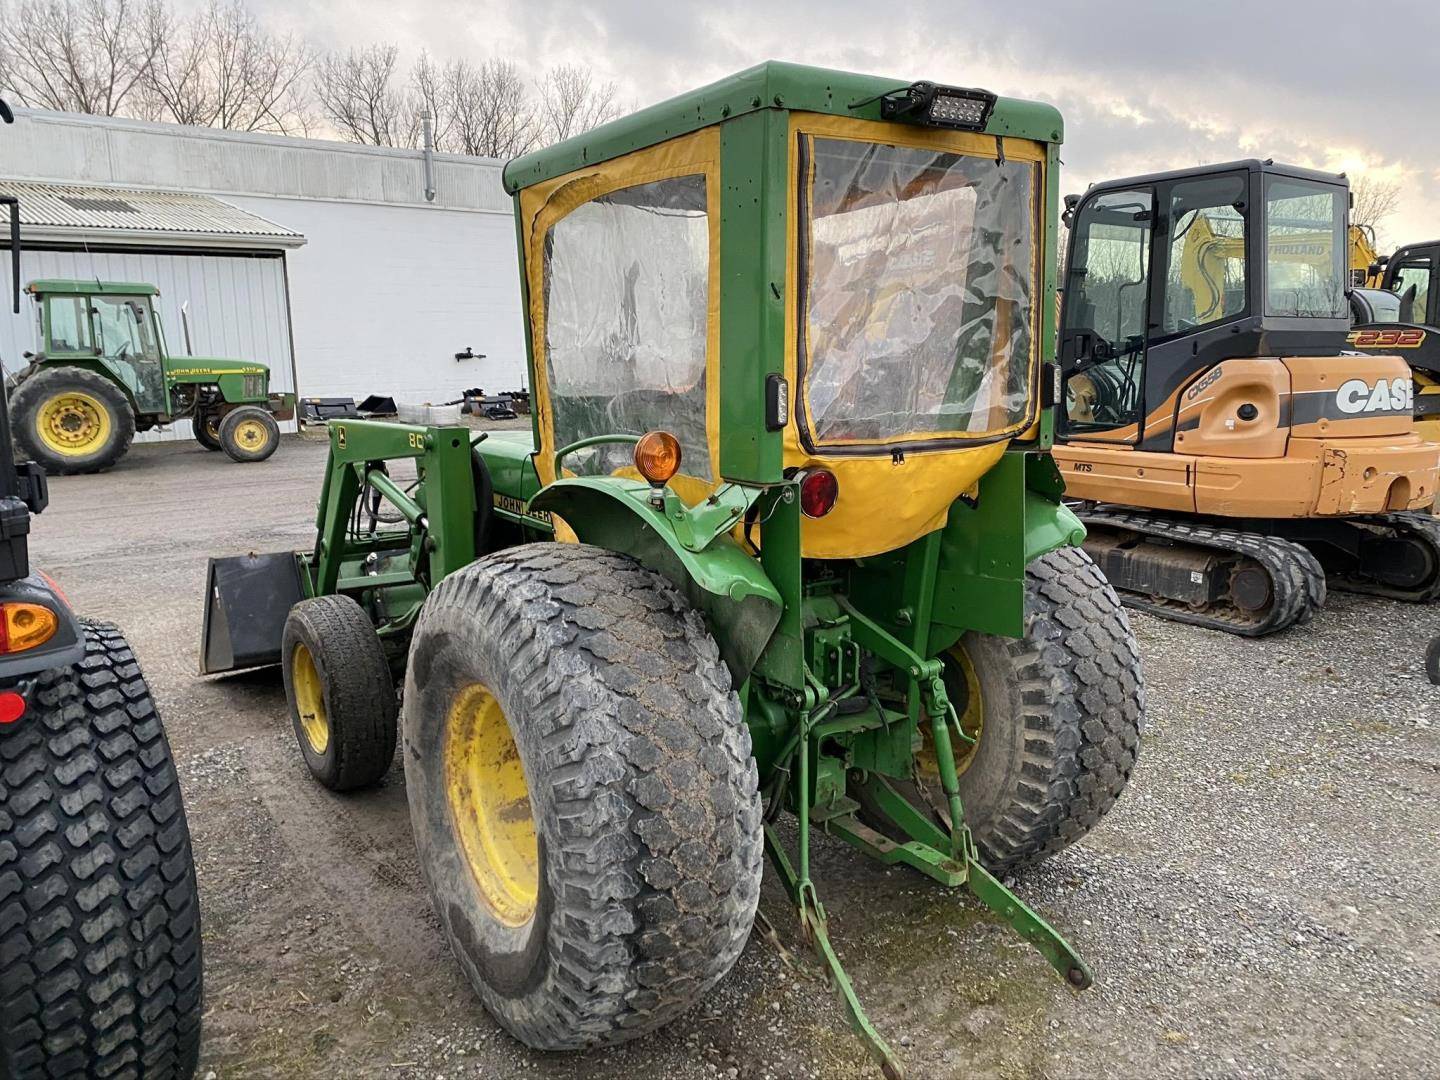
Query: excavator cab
1402,316
1174,273
1228,452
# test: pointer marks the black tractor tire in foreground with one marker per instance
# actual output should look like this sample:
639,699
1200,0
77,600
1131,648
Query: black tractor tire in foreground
206,428
1062,712
638,781
249,433
66,402
340,691
100,965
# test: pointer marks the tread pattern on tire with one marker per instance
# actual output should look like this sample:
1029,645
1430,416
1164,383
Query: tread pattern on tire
655,799
32,391
360,691
100,954
1083,691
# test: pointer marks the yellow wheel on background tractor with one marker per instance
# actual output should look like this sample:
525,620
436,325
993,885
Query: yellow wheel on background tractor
71,420
341,692
206,428
249,433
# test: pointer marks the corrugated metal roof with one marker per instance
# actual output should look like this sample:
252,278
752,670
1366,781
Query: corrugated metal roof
75,210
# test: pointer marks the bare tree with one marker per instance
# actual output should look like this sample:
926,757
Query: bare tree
571,101
222,69
430,93
88,56
357,94
1375,200
494,115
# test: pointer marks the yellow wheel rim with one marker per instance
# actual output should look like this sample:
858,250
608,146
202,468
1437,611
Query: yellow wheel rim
211,425
961,679
73,424
490,805
309,699
251,434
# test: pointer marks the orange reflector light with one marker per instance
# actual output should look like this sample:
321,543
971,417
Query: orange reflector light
657,456
24,626
12,707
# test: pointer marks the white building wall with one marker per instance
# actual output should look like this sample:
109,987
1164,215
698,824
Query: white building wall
388,287
383,297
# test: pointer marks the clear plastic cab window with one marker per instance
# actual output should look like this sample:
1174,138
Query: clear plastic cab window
626,302
919,270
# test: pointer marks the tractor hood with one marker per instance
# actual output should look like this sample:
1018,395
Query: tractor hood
182,367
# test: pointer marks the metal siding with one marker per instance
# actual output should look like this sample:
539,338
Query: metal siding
237,308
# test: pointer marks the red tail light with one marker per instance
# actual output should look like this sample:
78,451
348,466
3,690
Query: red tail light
12,707
818,491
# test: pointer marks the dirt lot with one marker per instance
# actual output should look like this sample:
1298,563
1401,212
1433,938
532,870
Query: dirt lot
1263,902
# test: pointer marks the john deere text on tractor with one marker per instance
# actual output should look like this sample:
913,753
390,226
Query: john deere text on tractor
100,971
103,372
787,348
1231,454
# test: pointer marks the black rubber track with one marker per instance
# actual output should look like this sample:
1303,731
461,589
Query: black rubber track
1297,580
1419,527
358,689
34,391
100,964
641,780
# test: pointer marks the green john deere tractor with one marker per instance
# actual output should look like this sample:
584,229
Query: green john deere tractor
784,537
103,373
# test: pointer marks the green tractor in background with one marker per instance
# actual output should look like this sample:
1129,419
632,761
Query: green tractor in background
785,536
103,373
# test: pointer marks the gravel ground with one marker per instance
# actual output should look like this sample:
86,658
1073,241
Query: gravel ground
1262,902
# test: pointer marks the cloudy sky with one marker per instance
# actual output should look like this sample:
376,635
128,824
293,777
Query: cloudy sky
1342,86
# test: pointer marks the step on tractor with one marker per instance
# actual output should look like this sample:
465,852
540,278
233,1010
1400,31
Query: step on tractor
1400,315
784,536
103,372
1229,453
100,961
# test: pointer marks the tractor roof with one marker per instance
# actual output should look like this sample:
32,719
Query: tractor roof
92,287
771,85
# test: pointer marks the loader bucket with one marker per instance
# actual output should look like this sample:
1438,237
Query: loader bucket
247,598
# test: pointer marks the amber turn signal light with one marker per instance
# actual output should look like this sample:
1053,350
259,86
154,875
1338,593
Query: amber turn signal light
657,456
24,626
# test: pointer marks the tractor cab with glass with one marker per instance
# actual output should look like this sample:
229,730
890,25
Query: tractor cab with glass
784,538
102,372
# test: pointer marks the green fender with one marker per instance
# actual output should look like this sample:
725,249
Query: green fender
691,546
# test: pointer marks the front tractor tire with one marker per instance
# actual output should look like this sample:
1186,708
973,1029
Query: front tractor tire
1056,716
206,428
71,421
248,434
340,691
100,957
582,791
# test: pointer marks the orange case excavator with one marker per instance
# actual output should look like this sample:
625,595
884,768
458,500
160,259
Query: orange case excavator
1228,453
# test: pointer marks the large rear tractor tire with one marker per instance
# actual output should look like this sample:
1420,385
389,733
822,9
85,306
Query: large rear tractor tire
340,691
248,434
100,965
1056,716
71,421
582,791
